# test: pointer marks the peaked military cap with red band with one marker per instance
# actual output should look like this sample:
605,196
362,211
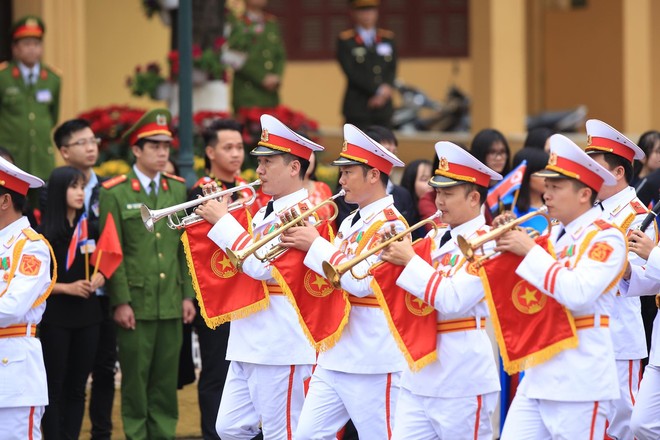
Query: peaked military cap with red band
360,149
605,139
153,125
458,166
568,160
29,26
277,138
15,179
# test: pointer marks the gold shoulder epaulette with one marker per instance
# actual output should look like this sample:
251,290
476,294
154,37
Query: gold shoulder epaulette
31,234
385,33
347,34
4,65
172,176
114,181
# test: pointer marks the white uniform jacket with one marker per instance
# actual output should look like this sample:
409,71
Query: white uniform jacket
645,280
466,365
366,344
22,372
582,278
625,211
272,336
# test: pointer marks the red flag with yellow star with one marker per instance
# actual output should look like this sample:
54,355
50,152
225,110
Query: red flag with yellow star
223,293
322,309
530,326
413,322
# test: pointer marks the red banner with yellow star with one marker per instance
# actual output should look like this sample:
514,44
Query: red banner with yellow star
413,322
530,326
322,310
223,293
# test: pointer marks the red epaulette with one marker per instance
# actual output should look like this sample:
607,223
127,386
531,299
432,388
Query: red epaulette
202,181
114,181
390,215
602,224
638,207
172,176
347,34
385,33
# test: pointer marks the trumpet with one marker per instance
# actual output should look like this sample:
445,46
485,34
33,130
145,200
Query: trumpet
468,247
292,219
334,273
150,217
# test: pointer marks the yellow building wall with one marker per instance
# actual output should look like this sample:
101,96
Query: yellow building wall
583,59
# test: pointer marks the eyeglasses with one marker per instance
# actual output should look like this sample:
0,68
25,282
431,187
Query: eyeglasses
501,153
84,142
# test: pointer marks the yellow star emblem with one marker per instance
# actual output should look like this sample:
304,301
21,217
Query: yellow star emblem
225,263
319,281
420,302
530,296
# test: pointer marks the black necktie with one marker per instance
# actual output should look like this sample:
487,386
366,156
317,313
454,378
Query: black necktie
30,79
561,233
601,206
356,217
152,192
269,209
445,238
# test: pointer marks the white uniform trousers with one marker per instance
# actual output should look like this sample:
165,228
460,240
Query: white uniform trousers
423,417
267,395
533,419
21,423
621,409
333,397
645,421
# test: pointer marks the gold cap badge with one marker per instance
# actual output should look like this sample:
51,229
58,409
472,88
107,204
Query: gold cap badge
264,135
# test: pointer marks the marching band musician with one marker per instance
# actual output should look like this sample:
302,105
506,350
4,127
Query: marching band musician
455,396
270,356
621,207
645,280
358,378
26,260
569,396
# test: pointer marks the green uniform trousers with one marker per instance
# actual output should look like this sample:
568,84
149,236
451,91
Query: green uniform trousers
149,359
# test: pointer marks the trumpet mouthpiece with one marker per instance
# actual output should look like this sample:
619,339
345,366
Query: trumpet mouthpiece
341,193
257,182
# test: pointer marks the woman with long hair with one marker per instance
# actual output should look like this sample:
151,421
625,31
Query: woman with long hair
491,148
647,175
69,330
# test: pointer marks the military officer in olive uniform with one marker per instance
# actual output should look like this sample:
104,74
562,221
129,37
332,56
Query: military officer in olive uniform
256,43
29,100
368,58
151,290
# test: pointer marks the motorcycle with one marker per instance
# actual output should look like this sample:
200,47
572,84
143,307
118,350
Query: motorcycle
418,112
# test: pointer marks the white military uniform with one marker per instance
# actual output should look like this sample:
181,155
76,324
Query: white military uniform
625,211
569,395
270,355
455,396
26,280
645,420
358,378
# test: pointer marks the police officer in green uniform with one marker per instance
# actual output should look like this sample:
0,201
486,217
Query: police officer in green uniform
29,100
151,291
256,41
367,56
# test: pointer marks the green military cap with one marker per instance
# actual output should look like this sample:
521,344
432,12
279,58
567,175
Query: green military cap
153,125
28,26
361,4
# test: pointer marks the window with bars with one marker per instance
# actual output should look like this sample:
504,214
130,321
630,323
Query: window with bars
423,28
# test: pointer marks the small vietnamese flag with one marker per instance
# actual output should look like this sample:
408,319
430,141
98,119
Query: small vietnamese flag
79,237
108,254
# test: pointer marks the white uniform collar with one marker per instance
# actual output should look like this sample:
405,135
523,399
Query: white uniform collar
368,212
580,224
93,181
613,204
145,181
289,200
468,228
10,233
25,71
